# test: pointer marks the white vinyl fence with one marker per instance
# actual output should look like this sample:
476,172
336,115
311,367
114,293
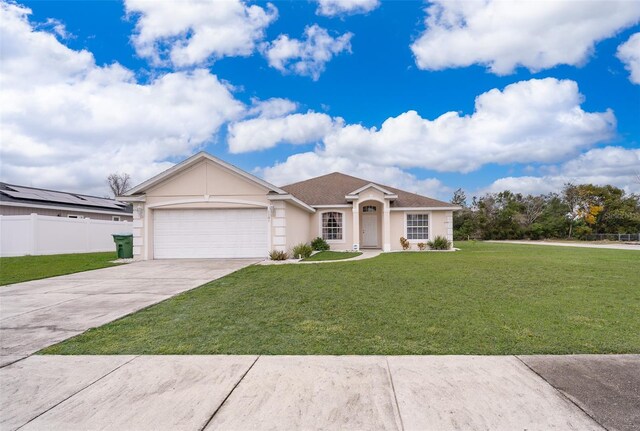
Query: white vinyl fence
36,234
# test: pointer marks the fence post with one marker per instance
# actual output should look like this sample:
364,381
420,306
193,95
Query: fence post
33,241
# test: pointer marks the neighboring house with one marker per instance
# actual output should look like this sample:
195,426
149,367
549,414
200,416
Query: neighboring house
207,208
22,200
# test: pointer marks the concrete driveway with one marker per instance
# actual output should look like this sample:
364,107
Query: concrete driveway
321,393
38,313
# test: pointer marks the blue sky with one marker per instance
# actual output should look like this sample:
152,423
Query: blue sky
550,113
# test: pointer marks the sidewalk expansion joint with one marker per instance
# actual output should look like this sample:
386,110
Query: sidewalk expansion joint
229,394
393,389
562,394
77,392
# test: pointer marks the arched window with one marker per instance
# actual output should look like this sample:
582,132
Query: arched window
332,225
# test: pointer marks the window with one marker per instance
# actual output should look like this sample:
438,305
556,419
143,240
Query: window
115,218
332,225
369,209
418,226
75,216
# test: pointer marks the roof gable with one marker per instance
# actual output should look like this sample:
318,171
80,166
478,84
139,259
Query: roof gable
331,189
192,161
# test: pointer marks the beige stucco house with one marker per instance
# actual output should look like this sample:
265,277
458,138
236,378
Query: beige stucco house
207,208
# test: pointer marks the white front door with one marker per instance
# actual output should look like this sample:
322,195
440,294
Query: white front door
369,230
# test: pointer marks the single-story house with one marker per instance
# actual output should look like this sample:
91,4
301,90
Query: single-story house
23,200
207,208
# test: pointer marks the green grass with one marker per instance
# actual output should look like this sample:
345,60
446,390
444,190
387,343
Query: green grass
485,299
25,268
332,255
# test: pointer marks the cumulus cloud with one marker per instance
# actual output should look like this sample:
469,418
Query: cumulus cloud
528,121
67,123
303,166
609,165
191,32
264,132
346,7
272,108
504,35
629,54
308,56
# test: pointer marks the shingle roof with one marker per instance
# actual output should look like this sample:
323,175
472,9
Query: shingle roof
331,189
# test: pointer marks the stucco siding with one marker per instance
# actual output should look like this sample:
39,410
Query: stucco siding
347,229
207,179
439,225
298,224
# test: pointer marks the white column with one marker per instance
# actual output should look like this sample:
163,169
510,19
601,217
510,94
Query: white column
148,241
138,229
386,227
356,224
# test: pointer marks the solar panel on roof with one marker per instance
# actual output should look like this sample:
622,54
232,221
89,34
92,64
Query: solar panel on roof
60,197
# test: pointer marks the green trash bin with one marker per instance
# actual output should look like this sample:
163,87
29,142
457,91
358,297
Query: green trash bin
124,245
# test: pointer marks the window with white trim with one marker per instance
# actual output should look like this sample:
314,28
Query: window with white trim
417,226
115,218
332,225
369,209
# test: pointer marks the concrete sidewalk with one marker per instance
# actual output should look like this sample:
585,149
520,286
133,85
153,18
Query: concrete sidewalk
39,313
305,392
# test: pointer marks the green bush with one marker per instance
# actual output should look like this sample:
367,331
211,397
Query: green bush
278,255
439,243
320,244
302,251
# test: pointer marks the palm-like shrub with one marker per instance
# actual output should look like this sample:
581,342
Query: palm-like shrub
439,243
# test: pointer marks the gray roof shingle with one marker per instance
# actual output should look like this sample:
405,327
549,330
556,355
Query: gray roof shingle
331,189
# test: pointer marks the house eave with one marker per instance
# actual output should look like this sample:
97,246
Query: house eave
137,198
451,208
295,201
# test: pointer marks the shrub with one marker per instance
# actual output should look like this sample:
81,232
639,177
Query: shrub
422,246
320,244
405,243
439,243
278,255
302,251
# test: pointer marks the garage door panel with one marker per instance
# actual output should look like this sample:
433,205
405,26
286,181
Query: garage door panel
213,233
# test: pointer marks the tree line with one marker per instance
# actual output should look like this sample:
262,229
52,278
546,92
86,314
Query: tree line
577,211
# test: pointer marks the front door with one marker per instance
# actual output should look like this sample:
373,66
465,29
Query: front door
369,230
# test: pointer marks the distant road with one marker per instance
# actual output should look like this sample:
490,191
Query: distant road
619,246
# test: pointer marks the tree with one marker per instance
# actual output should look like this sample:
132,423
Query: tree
459,198
119,183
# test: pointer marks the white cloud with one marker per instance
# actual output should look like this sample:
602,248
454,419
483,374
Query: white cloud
262,133
272,108
609,165
535,121
303,166
506,34
529,121
629,54
190,32
346,7
306,57
67,123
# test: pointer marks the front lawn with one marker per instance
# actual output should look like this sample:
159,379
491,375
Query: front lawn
485,299
332,255
25,268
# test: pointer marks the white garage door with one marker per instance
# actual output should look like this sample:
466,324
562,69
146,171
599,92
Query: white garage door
220,233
